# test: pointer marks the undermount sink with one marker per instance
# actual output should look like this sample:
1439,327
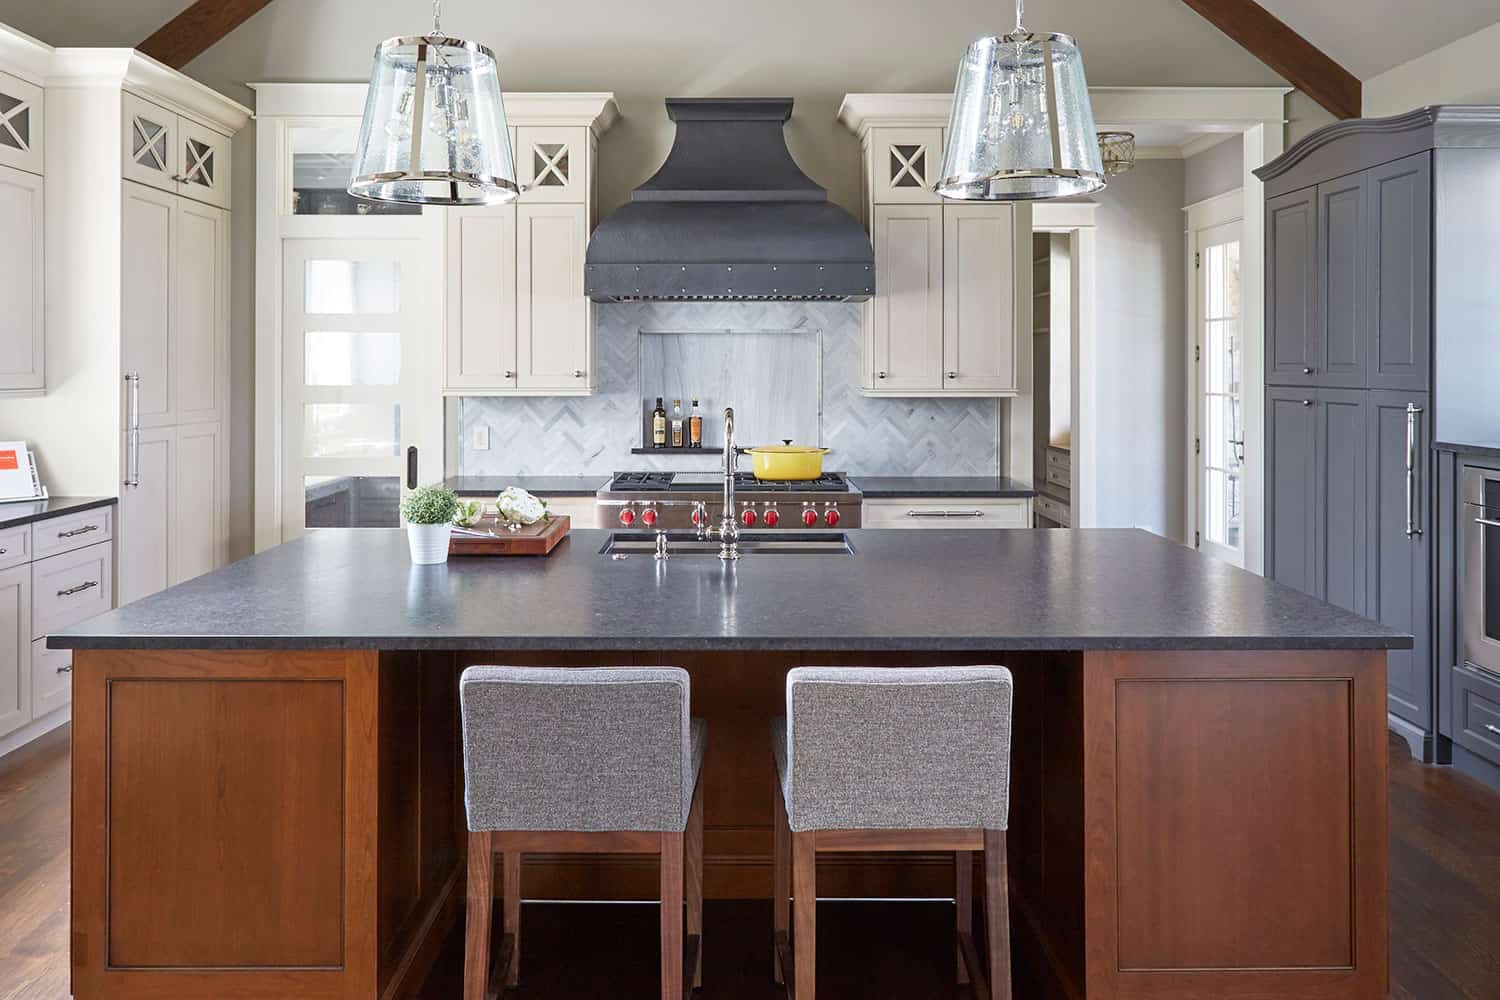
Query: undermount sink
687,543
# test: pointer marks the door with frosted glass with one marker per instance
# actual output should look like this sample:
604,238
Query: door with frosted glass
358,330
1220,445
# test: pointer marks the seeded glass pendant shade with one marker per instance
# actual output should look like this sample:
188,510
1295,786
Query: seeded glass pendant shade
434,130
1021,128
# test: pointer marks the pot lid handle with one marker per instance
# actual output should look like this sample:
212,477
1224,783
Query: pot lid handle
786,441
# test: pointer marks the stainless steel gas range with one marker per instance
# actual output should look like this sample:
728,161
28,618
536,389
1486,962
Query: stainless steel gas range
662,501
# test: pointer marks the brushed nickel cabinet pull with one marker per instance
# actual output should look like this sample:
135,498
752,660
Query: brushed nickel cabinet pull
65,670
78,589
1493,729
578,373
78,531
953,374
1412,527
510,374
880,374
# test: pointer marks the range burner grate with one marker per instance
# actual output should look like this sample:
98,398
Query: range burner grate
643,482
829,482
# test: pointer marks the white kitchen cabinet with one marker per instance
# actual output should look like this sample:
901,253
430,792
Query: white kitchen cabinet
952,280
198,542
15,648
22,329
72,587
146,299
554,330
946,512
174,153
518,321
979,297
51,678
148,511
21,119
198,363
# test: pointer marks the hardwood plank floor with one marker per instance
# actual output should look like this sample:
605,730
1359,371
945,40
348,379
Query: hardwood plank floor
1445,911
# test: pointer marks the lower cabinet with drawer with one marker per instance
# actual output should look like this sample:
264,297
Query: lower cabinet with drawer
1476,712
946,512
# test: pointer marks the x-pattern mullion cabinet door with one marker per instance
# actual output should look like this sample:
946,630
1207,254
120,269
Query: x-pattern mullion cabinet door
552,163
203,158
150,138
20,124
904,163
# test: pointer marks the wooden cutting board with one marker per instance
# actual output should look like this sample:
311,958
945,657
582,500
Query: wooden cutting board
530,540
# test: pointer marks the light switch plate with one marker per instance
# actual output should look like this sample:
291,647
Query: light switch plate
481,440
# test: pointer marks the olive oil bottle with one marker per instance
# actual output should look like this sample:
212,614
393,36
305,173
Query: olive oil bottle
659,425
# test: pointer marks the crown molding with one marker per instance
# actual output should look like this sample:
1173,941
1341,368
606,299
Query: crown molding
140,74
24,56
1205,142
596,110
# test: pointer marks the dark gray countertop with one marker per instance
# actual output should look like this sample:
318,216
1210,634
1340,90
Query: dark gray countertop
13,515
900,590
878,487
554,486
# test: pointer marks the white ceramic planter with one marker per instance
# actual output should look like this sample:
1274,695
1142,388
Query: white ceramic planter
428,542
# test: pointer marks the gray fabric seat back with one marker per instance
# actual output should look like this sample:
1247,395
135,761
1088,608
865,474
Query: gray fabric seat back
584,749
880,748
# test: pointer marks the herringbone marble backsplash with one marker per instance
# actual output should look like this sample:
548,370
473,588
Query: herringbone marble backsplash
593,435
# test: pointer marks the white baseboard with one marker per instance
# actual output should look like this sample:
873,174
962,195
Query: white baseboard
34,729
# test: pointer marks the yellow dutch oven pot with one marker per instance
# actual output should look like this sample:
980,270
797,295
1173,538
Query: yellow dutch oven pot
787,461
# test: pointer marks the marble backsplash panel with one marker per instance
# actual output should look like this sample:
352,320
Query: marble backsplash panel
593,435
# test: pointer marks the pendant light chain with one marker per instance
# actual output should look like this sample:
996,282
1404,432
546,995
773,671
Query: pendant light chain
1020,12
437,19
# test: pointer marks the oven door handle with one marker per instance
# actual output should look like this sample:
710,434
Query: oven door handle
1487,522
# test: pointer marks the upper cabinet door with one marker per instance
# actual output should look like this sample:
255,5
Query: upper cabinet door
150,144
906,328
904,163
979,298
199,363
20,124
148,280
203,163
1292,350
21,282
1343,319
1399,314
480,351
552,313
552,163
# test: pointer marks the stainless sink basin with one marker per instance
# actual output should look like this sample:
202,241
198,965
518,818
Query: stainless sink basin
687,543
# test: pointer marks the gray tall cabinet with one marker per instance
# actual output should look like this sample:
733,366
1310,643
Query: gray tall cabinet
1353,212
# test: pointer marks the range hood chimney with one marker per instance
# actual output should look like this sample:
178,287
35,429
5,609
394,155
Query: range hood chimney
729,216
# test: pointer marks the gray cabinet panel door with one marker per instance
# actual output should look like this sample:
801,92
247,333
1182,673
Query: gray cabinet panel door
1292,353
1342,322
1400,273
1397,561
1342,459
1291,486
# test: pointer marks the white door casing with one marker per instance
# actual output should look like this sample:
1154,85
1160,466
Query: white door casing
1218,393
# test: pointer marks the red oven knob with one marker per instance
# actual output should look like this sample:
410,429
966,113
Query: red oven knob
649,518
832,517
748,518
772,518
627,517
809,517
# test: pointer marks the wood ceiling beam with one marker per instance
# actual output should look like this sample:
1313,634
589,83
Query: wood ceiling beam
190,33
1304,65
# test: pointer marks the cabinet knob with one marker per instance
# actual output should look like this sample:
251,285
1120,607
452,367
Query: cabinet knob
953,374
578,373
880,374
1307,402
65,670
510,374
1308,371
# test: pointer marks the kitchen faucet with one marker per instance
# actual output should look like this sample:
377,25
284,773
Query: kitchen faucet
728,531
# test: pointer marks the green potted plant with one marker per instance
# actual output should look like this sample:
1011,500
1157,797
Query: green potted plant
428,512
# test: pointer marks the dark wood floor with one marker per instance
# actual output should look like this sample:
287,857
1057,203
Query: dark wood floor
1445,911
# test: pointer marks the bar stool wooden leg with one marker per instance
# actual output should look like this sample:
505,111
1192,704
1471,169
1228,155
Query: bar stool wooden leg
511,872
694,849
997,913
963,903
805,915
781,877
671,916
481,902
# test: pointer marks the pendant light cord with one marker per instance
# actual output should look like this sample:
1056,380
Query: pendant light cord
437,19
1020,10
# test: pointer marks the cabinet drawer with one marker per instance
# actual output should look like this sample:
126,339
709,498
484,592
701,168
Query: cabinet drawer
51,678
74,531
68,588
1476,713
15,546
1053,510
929,512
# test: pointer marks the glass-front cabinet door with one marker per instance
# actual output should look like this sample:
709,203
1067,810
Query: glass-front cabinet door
321,154
357,335
150,154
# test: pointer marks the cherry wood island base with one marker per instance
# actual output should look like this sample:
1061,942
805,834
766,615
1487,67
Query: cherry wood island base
275,824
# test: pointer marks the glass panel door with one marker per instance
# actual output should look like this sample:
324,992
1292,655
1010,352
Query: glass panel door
1220,450
355,317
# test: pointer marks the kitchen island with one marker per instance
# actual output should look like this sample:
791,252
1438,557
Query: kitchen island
268,802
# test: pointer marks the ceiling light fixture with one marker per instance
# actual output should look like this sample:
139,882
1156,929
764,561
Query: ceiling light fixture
1021,128
434,130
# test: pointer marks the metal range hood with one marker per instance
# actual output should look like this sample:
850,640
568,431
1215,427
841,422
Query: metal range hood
729,216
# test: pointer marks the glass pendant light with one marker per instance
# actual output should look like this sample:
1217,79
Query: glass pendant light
434,130
1021,128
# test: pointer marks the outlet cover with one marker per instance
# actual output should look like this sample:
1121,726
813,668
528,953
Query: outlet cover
481,439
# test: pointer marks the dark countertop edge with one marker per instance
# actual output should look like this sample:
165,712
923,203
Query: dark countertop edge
555,486
1486,451
693,643
941,486
71,505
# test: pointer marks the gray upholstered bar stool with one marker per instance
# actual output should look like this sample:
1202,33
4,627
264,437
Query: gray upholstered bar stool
874,759
580,760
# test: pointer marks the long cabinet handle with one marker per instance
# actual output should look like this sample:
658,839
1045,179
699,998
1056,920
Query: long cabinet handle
945,513
1487,522
133,429
1413,529
76,531
65,670
86,585
1493,729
